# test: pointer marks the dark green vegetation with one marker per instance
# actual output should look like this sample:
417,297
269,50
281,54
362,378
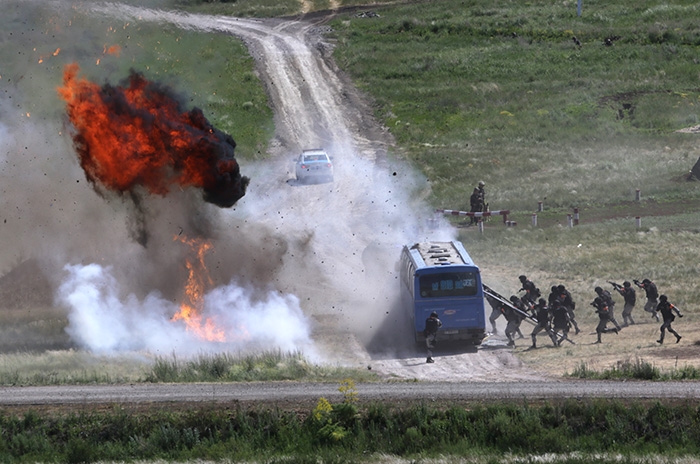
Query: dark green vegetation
499,91
345,433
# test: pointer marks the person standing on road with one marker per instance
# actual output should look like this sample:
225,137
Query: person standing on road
610,303
432,324
667,309
652,294
630,297
603,311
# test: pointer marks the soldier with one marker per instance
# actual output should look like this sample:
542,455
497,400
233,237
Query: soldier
561,322
531,291
630,297
543,316
432,324
513,317
476,202
603,311
667,309
495,312
652,295
610,303
568,302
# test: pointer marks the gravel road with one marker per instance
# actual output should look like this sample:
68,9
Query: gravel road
301,394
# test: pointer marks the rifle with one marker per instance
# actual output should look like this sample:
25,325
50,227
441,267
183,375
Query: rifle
616,286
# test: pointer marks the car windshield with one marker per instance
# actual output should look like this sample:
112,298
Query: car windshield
319,157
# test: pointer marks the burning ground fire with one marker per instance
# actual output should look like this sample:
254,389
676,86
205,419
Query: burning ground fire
198,281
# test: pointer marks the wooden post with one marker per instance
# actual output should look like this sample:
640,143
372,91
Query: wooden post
534,219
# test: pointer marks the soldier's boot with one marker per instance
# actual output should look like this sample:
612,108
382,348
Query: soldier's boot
660,341
534,342
599,339
576,327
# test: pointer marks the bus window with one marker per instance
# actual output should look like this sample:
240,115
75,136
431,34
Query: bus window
448,284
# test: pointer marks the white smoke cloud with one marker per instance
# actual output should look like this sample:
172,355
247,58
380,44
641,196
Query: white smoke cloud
103,322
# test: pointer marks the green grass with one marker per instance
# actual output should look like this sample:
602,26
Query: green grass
73,367
569,431
228,367
498,91
638,369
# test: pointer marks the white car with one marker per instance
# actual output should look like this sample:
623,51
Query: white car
314,166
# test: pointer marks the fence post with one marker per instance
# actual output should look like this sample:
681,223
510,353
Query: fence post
637,195
576,216
638,220
540,206
481,226
570,220
534,219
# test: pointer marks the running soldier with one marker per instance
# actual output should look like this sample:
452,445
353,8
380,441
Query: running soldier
532,293
543,316
610,303
561,322
652,294
432,324
495,312
667,309
603,311
569,304
630,297
514,318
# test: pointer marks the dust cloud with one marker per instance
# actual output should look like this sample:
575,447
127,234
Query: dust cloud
289,263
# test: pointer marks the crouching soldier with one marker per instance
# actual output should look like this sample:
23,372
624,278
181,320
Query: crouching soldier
667,309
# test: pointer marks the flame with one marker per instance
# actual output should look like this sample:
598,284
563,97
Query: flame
138,135
198,281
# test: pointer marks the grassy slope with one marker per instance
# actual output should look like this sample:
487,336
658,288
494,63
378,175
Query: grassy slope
498,91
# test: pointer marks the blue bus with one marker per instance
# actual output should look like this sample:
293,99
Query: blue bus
441,277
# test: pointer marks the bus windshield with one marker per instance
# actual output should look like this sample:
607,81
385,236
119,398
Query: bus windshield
448,284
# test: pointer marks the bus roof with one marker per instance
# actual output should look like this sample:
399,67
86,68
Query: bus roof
431,254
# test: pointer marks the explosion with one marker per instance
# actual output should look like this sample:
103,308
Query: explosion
137,135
